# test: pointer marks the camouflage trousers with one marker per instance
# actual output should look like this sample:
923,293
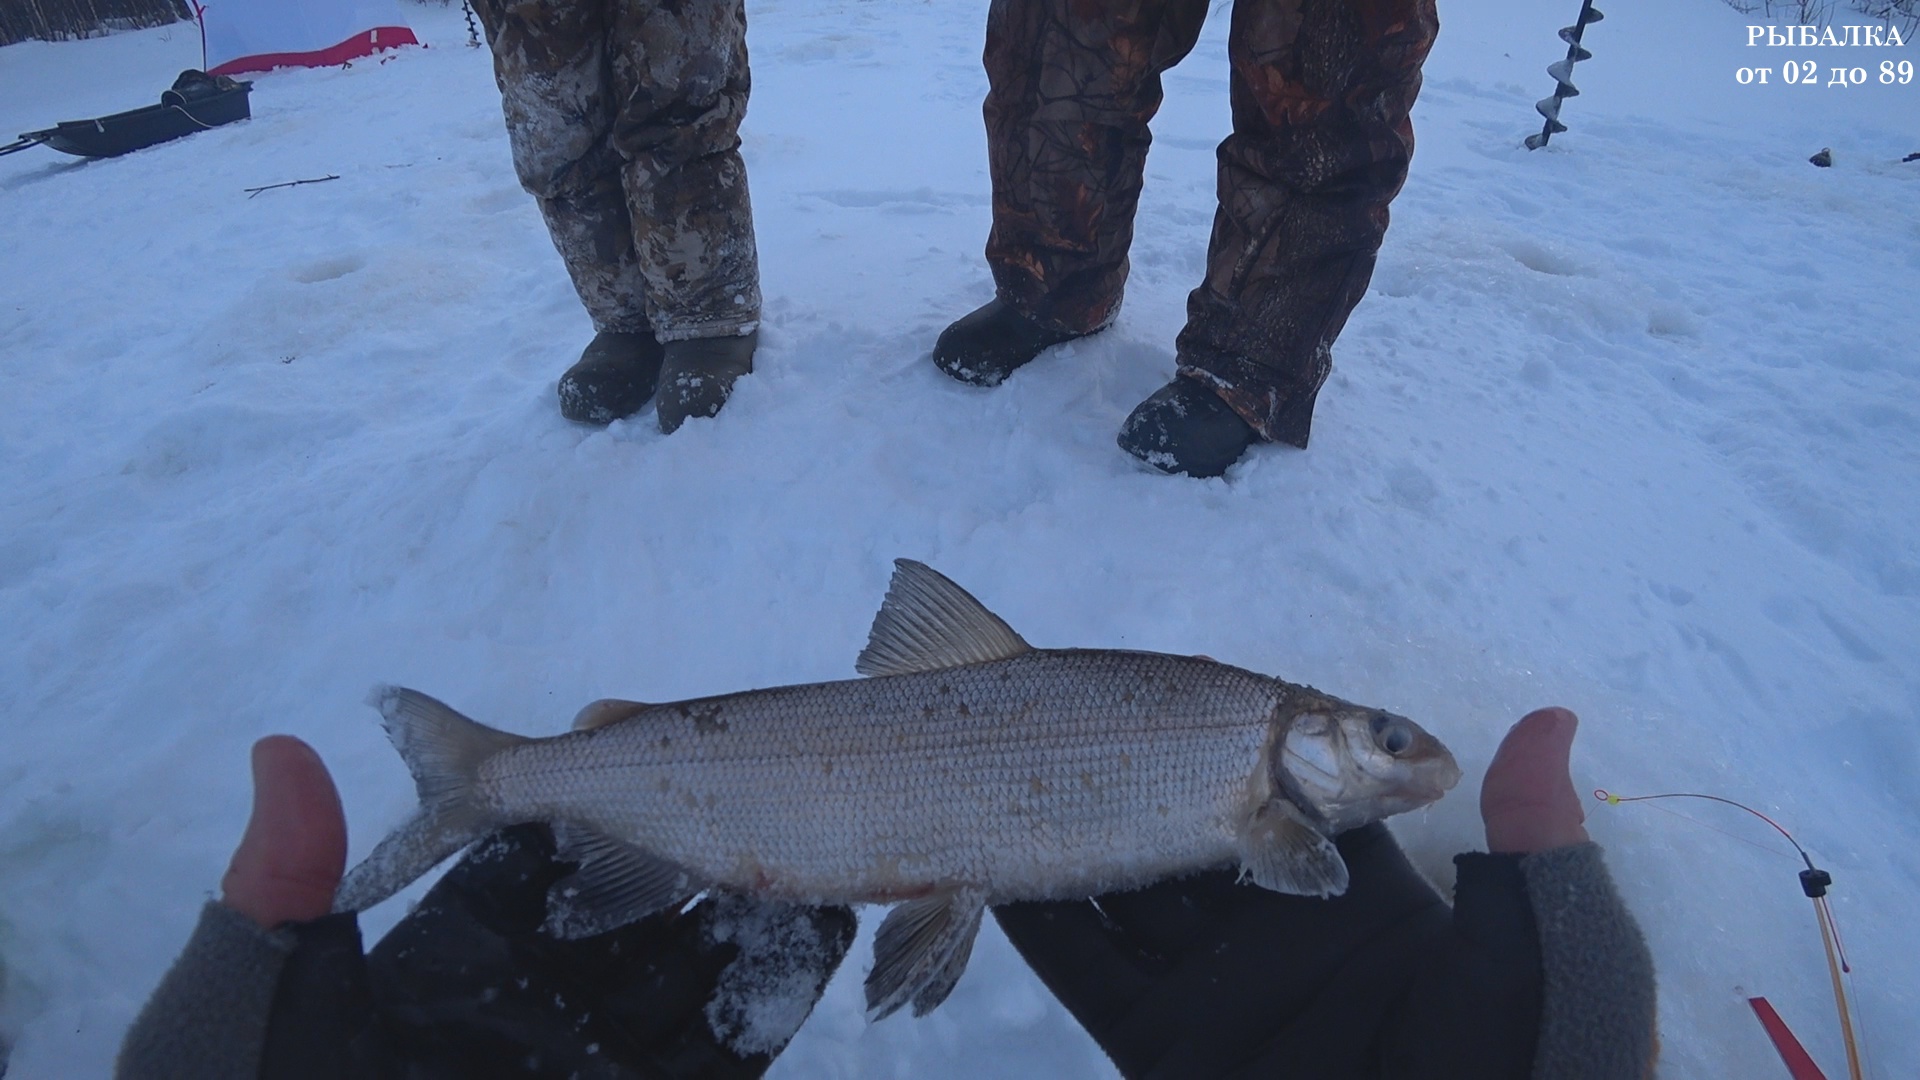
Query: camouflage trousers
624,117
1321,91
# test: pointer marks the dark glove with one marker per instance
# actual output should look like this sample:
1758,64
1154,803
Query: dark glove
1207,977
468,986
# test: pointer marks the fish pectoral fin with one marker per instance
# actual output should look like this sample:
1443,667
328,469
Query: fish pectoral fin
921,950
1282,851
598,714
927,623
617,883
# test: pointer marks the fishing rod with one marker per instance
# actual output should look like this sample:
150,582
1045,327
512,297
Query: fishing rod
1814,882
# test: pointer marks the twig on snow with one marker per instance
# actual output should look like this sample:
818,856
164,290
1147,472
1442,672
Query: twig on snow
252,191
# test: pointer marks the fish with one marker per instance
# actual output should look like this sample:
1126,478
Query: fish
965,769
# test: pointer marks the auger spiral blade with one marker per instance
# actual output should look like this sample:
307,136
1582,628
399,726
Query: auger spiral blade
1562,72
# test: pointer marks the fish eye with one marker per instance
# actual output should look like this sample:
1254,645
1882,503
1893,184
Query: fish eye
1394,735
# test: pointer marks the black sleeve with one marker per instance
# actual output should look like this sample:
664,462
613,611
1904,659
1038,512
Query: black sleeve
323,1022
467,986
1473,1009
1207,977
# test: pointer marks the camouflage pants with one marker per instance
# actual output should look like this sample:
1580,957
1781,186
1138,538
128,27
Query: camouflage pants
1321,91
624,117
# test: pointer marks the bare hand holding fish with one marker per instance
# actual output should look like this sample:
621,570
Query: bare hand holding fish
968,769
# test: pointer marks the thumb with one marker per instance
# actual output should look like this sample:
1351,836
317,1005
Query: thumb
295,849
1528,800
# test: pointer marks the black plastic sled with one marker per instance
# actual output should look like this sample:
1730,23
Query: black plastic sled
196,102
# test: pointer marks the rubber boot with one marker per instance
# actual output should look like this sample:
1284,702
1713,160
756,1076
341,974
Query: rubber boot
992,342
615,377
696,376
1185,427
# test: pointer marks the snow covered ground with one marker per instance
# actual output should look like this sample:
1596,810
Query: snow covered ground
1631,424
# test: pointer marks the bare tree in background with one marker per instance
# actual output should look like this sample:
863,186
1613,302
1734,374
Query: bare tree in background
59,20
1904,14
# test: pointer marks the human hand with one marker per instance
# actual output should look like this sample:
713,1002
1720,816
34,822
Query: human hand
1528,801
292,856
1206,976
467,985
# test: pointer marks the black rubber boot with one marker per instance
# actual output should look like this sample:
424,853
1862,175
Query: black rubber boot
614,378
992,343
1186,428
697,376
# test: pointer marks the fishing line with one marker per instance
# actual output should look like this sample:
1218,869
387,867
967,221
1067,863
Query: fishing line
1755,844
1611,799
1813,882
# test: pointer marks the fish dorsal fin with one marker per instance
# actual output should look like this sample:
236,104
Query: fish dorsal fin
921,950
1281,851
598,714
617,883
927,623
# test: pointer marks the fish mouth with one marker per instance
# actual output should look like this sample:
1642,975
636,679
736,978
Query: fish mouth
1436,787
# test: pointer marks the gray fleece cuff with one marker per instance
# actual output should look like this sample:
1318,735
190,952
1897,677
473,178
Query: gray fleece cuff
207,1020
1597,1015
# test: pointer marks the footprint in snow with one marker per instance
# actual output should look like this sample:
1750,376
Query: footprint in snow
329,269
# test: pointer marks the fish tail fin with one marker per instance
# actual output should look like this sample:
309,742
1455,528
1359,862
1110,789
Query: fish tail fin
443,750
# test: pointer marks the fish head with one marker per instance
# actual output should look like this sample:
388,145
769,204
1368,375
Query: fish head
1353,765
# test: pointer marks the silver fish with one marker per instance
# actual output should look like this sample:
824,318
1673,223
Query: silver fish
968,769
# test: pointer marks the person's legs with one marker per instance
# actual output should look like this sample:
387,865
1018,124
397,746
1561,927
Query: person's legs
1071,88
1322,90
681,72
551,61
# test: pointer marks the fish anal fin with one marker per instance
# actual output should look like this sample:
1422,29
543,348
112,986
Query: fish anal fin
927,623
598,714
617,883
1282,851
928,997
921,950
416,847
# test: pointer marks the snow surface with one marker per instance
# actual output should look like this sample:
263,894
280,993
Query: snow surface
1627,424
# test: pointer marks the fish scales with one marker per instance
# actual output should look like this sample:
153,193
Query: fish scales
1057,772
969,768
